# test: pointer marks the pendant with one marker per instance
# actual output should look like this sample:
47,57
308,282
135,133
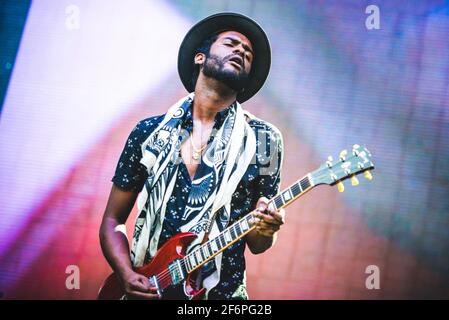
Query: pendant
195,155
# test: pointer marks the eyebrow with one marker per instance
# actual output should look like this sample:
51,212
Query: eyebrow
244,45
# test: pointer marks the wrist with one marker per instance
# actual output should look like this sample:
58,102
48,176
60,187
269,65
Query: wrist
125,272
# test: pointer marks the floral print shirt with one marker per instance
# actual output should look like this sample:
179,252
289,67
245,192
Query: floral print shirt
261,179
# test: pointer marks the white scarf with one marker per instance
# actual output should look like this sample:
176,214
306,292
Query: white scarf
227,159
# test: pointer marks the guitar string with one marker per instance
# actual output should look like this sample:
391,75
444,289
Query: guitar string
164,275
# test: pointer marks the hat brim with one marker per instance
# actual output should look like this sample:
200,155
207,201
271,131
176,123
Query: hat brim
226,22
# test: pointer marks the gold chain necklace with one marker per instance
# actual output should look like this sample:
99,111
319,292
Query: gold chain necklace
196,152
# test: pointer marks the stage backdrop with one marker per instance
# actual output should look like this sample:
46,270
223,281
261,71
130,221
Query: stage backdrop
343,72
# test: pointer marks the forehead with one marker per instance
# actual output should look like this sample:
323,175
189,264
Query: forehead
237,36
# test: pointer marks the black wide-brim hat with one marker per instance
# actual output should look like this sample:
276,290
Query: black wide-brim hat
221,22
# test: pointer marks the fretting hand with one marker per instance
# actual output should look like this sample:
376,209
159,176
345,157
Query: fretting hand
267,221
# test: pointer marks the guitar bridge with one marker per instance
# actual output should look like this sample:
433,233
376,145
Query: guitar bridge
154,283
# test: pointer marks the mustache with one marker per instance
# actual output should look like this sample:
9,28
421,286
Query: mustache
233,55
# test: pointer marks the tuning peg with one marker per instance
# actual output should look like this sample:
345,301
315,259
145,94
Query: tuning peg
368,175
343,154
340,186
329,161
354,181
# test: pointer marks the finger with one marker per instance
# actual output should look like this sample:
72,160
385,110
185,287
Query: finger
146,282
254,220
270,210
267,226
262,204
141,284
279,216
281,213
265,232
144,296
268,219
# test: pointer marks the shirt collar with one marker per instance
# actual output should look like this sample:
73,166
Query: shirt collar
219,117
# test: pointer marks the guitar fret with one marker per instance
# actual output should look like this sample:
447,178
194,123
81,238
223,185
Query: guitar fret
214,245
296,189
197,256
245,225
227,236
202,254
222,241
232,231
305,183
286,195
193,261
238,230
209,249
278,201
187,265
183,268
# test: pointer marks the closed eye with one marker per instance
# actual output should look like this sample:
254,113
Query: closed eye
249,57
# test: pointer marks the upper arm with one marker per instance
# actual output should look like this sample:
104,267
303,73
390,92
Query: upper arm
120,204
130,174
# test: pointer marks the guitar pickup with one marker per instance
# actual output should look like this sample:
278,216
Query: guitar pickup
176,272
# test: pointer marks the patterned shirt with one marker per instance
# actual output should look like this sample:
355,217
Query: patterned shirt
261,179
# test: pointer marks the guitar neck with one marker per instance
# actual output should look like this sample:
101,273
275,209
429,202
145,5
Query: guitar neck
236,231
290,194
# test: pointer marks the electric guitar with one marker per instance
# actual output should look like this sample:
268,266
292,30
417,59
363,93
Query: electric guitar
172,267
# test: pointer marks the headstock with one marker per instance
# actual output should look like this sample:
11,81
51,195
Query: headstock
347,166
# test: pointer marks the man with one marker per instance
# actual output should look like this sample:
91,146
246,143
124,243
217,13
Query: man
203,165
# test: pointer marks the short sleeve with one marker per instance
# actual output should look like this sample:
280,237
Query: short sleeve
130,174
270,152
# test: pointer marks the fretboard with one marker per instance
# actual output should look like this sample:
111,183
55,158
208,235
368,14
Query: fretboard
236,231
291,193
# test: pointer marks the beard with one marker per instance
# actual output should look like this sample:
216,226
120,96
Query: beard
214,67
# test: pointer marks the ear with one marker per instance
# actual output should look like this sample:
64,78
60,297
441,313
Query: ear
199,58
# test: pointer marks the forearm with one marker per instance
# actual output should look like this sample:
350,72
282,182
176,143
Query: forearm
115,247
258,243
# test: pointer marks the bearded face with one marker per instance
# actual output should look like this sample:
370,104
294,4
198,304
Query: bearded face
215,67
229,60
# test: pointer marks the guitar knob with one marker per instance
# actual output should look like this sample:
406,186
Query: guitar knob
340,186
354,181
368,175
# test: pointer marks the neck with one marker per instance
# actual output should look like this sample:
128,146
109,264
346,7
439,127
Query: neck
211,97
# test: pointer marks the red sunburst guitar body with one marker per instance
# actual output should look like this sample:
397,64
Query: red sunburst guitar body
174,249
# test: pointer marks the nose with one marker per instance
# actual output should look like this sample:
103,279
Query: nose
240,50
